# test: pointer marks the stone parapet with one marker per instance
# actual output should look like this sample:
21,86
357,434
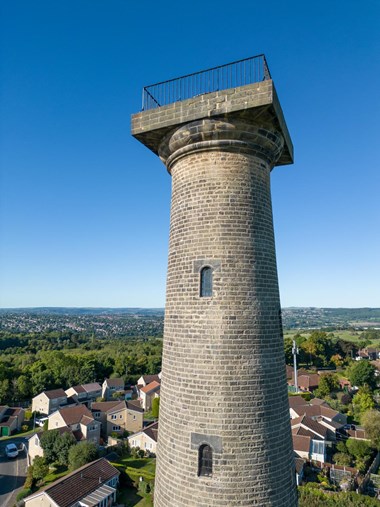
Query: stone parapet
255,103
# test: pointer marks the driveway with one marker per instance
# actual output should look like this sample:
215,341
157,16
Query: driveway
12,473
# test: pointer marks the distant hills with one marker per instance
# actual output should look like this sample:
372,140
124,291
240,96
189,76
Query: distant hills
101,320
84,311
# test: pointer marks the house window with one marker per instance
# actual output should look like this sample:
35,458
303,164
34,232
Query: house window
205,460
318,447
113,416
115,428
206,282
97,414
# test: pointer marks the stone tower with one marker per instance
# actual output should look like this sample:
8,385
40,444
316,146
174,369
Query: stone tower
224,430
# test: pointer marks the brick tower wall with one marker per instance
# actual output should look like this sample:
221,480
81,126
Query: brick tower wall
223,381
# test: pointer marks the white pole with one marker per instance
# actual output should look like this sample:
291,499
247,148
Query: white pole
295,352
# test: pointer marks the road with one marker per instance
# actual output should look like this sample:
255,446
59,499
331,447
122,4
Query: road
12,473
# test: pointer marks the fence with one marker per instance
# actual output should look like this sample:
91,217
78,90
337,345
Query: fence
239,73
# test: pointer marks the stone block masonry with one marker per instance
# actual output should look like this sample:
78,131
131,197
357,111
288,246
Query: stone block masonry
223,377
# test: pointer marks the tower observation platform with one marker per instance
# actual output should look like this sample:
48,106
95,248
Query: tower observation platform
224,432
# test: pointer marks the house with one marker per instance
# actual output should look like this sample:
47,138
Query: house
85,393
358,434
145,439
79,419
308,445
345,384
368,353
49,401
11,419
308,382
111,386
305,381
319,411
34,443
148,393
144,380
92,485
118,416
299,466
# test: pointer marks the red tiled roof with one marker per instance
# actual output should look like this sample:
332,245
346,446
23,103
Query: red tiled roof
115,382
152,431
295,401
94,386
299,464
359,434
308,380
74,415
107,406
134,406
311,425
304,433
317,401
55,393
301,443
68,490
153,386
289,371
150,378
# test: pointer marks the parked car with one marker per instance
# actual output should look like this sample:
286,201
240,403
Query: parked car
11,451
41,421
349,427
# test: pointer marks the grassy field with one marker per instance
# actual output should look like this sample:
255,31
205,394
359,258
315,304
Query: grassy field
345,334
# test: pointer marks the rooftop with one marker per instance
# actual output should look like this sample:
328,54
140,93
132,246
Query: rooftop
70,489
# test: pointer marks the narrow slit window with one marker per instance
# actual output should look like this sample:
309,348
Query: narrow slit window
206,282
205,461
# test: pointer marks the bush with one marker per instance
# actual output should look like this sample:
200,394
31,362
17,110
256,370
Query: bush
144,487
24,427
155,407
341,458
23,494
81,454
29,481
28,415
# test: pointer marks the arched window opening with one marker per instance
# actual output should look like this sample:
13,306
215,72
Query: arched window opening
205,460
206,282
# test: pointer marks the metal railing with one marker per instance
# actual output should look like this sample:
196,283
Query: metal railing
240,73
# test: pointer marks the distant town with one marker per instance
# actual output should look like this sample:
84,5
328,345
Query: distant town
107,322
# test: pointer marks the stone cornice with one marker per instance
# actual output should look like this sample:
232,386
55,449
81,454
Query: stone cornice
221,135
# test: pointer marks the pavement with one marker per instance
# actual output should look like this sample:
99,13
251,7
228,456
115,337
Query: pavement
12,472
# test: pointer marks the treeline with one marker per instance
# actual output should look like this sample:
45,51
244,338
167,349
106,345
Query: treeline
322,349
44,361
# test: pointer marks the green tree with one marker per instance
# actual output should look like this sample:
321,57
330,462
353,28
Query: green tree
62,446
48,439
362,373
371,423
341,458
4,391
359,449
23,387
40,468
155,407
363,401
328,382
82,453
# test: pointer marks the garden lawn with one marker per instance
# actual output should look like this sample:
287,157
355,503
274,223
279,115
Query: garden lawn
138,467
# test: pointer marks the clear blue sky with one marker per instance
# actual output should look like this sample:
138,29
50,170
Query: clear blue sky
85,207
